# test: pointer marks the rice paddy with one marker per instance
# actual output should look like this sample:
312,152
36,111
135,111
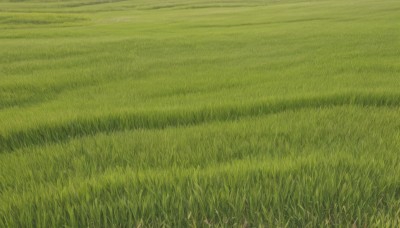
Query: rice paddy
199,113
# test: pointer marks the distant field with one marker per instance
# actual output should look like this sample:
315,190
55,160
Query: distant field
244,113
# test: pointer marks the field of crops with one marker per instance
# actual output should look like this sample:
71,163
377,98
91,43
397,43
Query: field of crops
203,113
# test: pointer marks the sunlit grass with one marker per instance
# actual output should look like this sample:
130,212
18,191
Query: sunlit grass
199,113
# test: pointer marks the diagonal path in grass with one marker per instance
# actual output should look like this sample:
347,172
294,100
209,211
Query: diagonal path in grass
46,134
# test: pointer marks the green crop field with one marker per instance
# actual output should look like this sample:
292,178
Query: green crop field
199,113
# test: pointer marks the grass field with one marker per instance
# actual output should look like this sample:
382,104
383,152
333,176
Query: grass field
203,113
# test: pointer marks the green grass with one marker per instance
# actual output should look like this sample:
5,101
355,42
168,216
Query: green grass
199,113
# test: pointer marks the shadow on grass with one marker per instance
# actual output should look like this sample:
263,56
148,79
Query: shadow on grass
55,133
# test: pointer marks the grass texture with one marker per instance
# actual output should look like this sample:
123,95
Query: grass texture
199,113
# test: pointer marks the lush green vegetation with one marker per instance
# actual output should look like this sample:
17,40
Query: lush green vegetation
199,113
